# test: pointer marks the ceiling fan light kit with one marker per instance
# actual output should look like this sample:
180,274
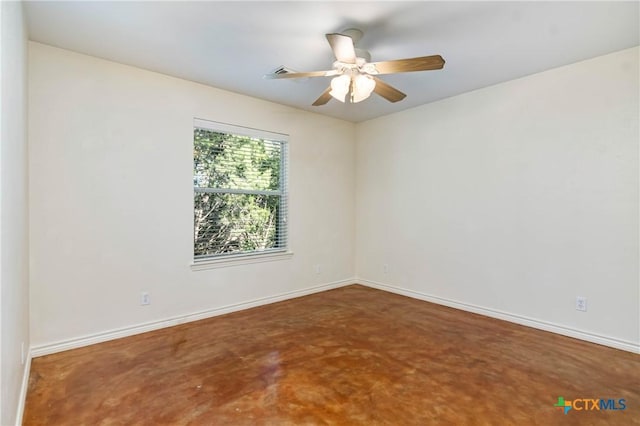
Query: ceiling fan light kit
360,86
354,75
363,86
340,87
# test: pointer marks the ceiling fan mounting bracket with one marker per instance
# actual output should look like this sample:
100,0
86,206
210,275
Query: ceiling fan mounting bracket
354,33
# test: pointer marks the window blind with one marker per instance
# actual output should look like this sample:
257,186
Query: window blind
240,191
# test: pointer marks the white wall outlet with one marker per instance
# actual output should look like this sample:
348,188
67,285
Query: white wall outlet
385,268
581,303
22,353
318,269
145,299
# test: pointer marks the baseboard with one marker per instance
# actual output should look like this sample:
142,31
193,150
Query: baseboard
23,389
50,348
517,319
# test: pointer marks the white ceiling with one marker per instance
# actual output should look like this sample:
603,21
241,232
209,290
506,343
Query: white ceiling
231,45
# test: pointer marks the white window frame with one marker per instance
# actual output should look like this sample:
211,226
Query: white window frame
280,253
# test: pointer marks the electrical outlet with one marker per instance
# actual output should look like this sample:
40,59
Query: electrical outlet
318,269
22,353
385,268
145,299
581,303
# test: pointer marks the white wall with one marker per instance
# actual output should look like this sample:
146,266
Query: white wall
514,198
14,267
111,197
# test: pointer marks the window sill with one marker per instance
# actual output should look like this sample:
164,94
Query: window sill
203,264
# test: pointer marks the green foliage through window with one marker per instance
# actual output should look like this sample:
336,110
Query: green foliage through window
239,194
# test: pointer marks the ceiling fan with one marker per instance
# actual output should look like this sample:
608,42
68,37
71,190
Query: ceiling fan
355,76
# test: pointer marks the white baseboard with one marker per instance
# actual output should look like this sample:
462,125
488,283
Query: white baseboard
50,348
518,319
23,389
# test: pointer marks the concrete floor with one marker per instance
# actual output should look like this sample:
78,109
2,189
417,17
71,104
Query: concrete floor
353,355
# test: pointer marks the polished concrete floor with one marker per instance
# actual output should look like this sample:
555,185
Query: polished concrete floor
350,356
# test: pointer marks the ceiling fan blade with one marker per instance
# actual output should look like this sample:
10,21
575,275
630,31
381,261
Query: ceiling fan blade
387,91
343,48
324,98
423,63
301,74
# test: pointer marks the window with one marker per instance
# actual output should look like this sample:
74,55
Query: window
239,191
